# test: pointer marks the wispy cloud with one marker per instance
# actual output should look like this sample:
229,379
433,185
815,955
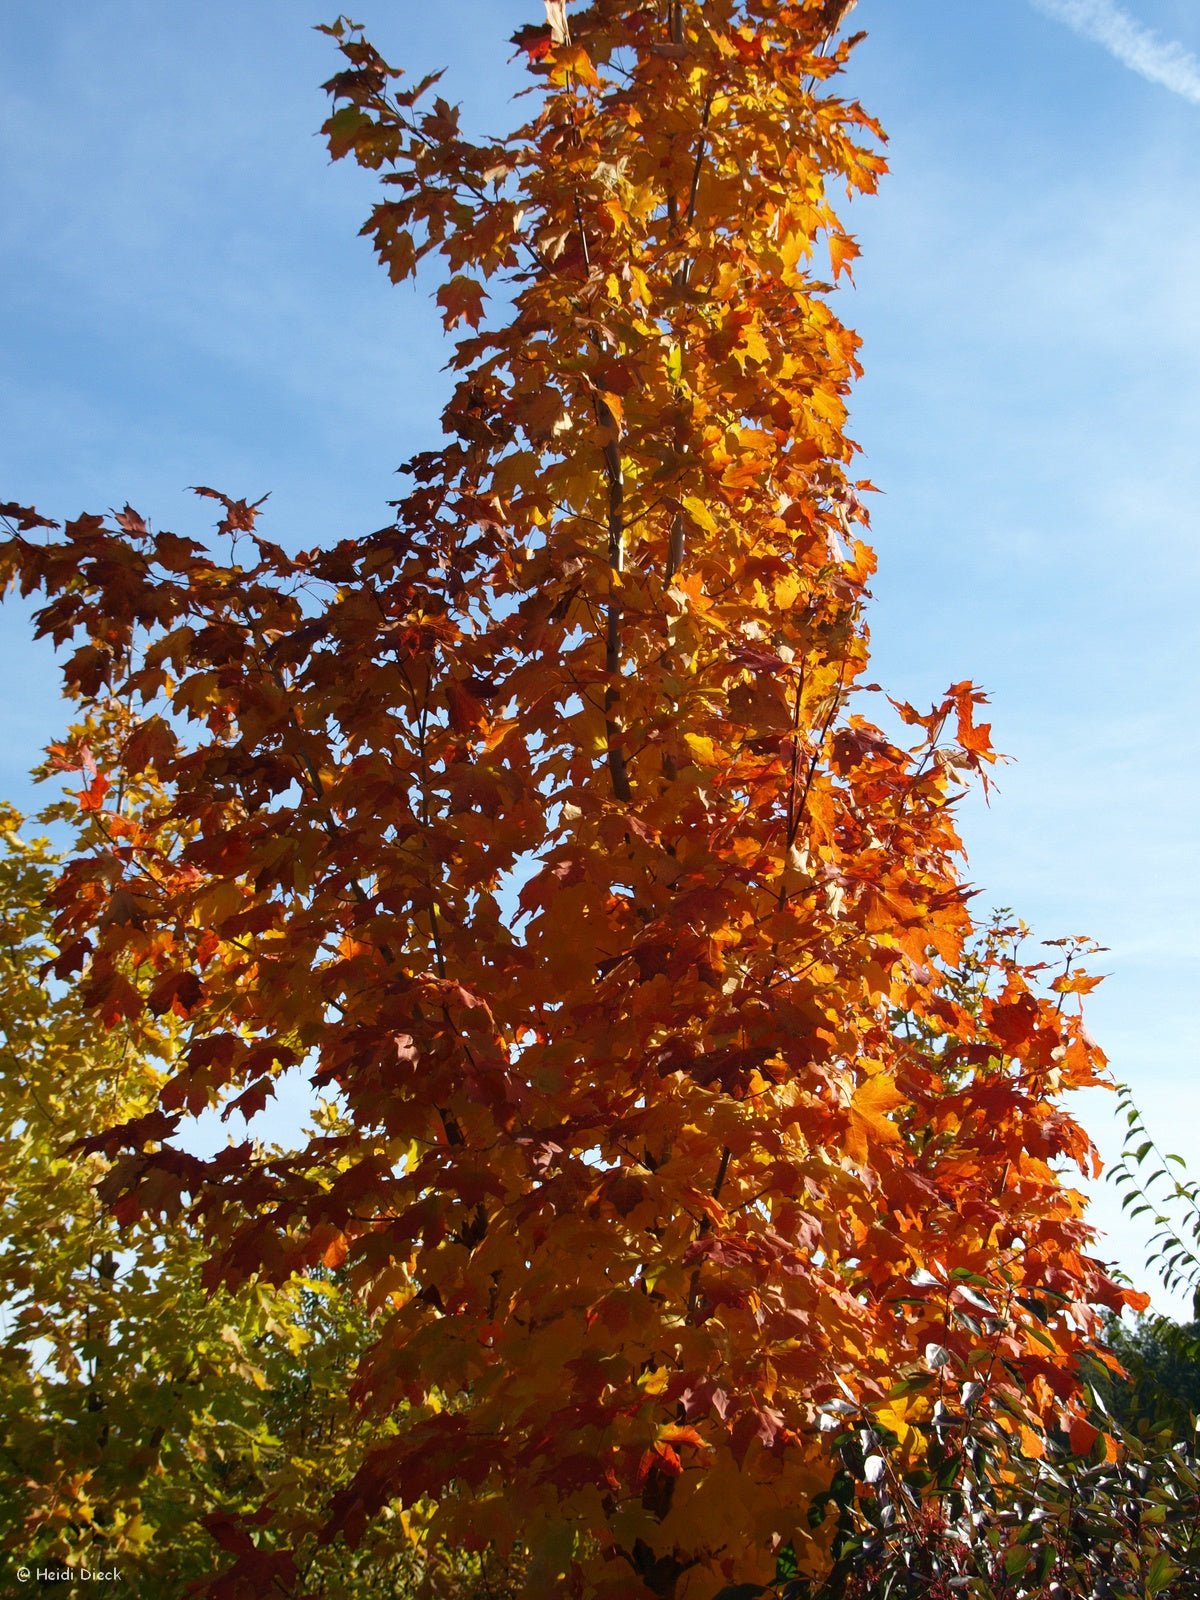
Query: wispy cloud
1163,61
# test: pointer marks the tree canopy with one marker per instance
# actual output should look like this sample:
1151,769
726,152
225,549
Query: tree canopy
680,1113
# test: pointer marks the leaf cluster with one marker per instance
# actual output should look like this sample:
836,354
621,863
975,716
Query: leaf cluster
676,1110
144,1414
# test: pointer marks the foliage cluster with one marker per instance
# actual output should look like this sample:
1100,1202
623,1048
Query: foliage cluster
704,1227
144,1413
149,1420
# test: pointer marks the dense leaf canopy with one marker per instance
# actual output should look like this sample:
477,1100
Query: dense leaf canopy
705,1145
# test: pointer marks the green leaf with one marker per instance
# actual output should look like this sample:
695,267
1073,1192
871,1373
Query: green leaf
1161,1571
1017,1559
910,1384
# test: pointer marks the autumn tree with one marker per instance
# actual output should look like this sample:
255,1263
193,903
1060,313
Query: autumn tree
541,827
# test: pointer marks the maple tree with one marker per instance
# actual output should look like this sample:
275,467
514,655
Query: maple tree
648,1184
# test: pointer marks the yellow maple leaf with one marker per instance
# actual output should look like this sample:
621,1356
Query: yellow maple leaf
868,1123
704,752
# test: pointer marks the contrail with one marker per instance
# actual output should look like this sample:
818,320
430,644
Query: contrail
1163,61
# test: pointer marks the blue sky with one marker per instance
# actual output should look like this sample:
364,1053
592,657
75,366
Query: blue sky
186,301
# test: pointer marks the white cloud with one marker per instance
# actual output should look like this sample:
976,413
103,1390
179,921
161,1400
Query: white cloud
1163,61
